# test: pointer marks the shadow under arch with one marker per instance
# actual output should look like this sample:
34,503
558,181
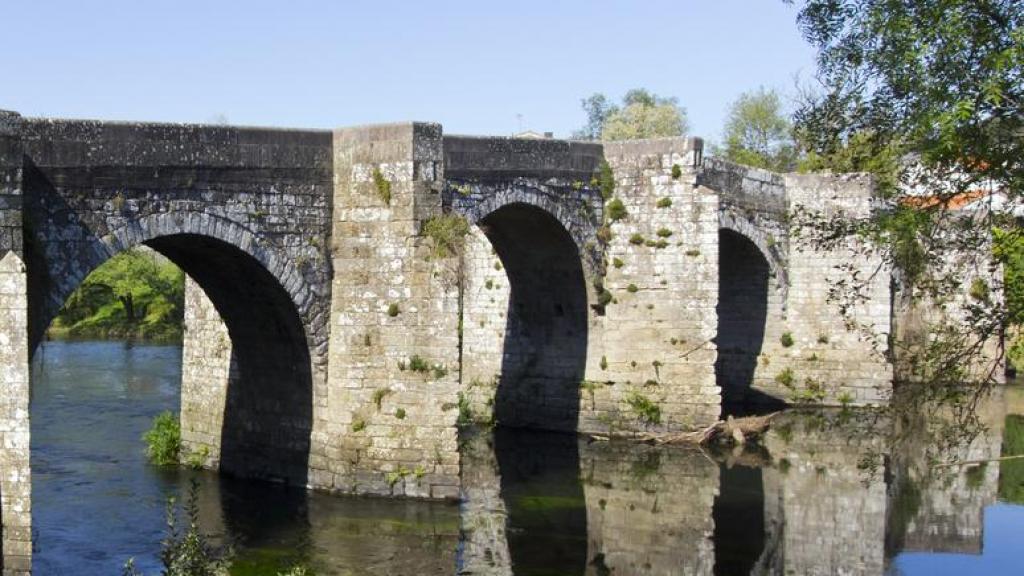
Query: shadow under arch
744,275
545,345
269,408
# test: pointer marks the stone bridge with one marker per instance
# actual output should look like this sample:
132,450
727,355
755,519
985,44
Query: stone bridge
335,332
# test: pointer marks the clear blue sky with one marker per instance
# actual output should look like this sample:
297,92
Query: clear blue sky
473,66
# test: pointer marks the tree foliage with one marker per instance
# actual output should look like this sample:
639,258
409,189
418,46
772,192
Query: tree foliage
136,293
642,114
758,133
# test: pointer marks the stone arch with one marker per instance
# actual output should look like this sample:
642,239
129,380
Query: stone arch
771,247
262,299
535,346
567,211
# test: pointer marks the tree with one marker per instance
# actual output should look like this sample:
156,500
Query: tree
757,133
641,115
133,273
929,96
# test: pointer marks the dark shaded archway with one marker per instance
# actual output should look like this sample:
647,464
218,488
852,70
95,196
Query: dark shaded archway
743,276
545,343
269,407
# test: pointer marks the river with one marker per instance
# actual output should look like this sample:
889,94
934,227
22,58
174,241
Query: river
828,493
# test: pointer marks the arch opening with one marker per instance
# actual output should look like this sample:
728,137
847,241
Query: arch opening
266,421
543,332
743,284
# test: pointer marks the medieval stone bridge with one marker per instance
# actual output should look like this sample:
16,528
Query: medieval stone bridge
332,342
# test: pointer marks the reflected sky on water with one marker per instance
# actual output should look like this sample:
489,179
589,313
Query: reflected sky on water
827,493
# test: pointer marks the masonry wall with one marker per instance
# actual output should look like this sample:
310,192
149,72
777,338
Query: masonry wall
649,509
485,308
16,480
391,429
208,369
834,357
654,342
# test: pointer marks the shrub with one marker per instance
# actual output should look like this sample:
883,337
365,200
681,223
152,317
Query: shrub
664,233
604,234
378,396
676,171
664,202
607,180
448,234
636,239
400,413
163,440
383,186
785,377
418,364
188,553
617,262
645,410
786,339
616,210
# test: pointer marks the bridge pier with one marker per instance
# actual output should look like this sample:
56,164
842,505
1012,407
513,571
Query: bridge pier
15,473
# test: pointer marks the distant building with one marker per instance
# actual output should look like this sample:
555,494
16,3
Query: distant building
535,135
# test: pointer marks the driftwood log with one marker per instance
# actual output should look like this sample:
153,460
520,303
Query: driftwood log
729,431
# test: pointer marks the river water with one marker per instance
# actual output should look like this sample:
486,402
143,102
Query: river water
828,493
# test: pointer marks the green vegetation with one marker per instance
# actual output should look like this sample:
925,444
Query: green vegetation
664,233
606,180
604,362
636,239
616,210
617,262
400,413
447,233
641,115
358,424
383,186
379,395
136,294
632,288
163,440
758,133
1011,472
394,310
786,377
646,410
664,203
418,364
786,339
677,172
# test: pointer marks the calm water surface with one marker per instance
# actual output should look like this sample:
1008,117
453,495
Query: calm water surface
827,494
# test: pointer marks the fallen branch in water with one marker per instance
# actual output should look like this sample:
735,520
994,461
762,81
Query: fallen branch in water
974,462
728,431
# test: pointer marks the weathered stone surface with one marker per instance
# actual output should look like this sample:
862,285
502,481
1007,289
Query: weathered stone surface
312,288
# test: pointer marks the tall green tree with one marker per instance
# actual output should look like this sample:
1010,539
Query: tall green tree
642,114
758,132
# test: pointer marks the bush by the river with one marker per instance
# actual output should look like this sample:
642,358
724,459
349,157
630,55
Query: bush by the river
163,440
137,294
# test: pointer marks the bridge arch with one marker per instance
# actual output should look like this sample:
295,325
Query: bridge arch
771,247
751,296
525,311
262,300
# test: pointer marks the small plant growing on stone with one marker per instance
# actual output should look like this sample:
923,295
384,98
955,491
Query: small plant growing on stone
604,362
661,244
786,339
636,239
607,180
367,341
693,253
677,171
402,366
664,203
118,202
196,459
438,371
378,396
394,310
979,290
465,412
383,186
650,382
617,262
664,233
418,364
632,289
646,410
489,284
822,339
604,234
358,425
497,265
447,233
163,440
786,377
845,399
616,210
400,413
577,185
